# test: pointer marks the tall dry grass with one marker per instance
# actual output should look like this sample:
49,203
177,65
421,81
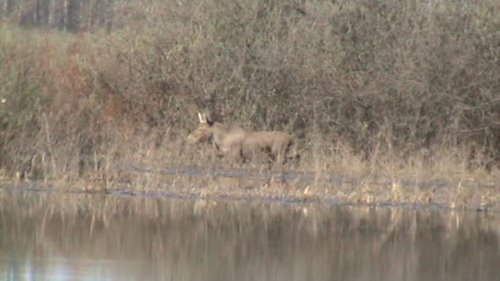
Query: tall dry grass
384,88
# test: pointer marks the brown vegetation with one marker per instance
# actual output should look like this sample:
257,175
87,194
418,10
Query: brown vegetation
395,89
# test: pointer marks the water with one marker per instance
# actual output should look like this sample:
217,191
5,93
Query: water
44,236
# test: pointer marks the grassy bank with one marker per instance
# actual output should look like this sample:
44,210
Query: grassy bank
369,89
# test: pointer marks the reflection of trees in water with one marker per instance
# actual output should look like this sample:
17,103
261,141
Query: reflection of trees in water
194,238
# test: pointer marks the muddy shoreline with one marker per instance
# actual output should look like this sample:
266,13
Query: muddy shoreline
297,188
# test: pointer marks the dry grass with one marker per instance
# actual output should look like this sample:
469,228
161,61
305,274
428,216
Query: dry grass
371,90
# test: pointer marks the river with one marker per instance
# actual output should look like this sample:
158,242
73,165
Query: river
49,236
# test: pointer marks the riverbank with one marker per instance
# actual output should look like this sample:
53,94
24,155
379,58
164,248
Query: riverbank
293,188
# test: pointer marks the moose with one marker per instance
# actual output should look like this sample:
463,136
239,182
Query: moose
241,145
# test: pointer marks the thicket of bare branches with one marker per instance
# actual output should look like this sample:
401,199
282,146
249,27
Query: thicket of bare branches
399,77
68,15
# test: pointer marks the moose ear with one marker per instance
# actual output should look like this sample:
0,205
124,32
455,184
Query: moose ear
209,119
201,118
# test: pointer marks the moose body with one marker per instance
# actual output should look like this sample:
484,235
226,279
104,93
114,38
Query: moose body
241,145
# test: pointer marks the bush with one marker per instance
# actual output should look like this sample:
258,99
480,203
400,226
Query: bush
399,78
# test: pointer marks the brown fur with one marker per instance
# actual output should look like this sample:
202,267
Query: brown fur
241,145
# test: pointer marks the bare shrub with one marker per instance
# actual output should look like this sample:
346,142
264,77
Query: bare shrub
382,77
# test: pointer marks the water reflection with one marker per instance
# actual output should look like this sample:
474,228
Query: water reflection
82,237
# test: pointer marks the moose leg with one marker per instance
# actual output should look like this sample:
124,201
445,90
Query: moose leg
235,161
276,167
